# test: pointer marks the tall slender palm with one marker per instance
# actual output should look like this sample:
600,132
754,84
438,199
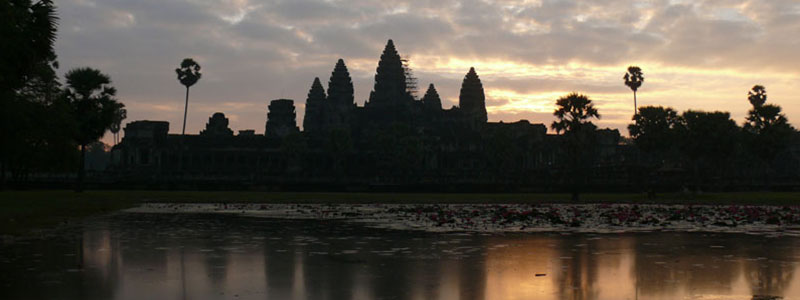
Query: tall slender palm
188,75
768,129
120,115
633,79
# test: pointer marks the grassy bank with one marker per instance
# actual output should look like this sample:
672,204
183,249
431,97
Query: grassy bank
21,211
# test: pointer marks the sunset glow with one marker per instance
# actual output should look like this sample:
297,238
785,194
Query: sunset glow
695,54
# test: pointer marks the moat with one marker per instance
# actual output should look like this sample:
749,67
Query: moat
224,256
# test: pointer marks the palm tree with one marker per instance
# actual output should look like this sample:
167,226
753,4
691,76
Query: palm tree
634,79
767,126
574,114
757,96
28,31
90,98
121,114
188,75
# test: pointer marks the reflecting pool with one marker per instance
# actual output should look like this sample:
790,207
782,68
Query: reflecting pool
216,256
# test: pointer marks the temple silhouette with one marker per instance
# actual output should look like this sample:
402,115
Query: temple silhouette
394,139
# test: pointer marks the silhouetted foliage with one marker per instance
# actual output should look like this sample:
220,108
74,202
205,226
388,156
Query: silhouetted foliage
29,31
188,75
42,138
757,96
121,115
91,99
97,156
653,128
654,132
574,113
27,74
768,131
707,139
634,79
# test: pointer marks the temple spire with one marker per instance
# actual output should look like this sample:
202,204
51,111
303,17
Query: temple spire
390,78
312,121
340,86
431,100
472,100
316,91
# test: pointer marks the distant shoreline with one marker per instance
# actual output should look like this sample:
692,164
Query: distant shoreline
522,218
24,211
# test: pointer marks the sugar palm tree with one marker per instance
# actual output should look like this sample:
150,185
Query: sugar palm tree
573,117
120,115
633,79
91,100
757,96
574,112
768,128
188,75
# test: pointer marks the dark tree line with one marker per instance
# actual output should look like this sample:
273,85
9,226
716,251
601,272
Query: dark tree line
46,126
711,145
694,149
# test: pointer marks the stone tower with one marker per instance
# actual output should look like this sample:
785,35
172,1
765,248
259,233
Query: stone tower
217,126
340,86
340,103
315,106
431,100
472,101
281,118
389,100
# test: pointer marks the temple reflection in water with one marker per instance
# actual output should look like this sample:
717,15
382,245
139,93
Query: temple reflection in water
202,257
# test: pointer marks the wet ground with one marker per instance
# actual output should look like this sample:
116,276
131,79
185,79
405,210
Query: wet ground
224,256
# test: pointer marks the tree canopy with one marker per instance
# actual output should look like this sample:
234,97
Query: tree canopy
189,72
653,128
92,101
573,113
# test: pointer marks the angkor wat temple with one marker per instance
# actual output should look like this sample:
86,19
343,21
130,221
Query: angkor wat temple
394,139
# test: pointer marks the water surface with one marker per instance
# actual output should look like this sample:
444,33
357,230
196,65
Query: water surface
214,256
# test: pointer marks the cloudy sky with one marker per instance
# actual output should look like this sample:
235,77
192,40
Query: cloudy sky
698,54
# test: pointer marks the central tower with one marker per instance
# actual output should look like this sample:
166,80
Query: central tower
389,100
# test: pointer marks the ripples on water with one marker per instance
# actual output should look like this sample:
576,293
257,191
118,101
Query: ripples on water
205,256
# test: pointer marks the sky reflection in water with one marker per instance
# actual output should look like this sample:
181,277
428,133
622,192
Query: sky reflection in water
182,256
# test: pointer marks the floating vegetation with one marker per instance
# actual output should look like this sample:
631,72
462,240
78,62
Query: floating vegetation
523,217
